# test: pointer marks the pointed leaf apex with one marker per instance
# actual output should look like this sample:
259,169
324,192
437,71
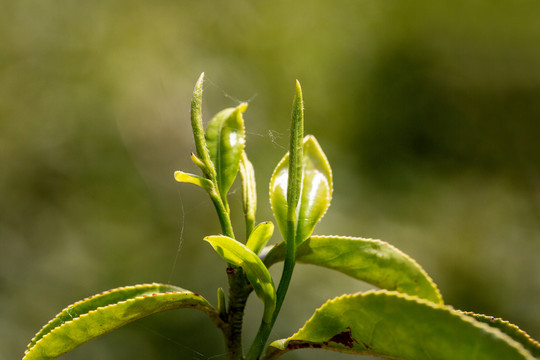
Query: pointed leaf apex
242,107
198,88
298,97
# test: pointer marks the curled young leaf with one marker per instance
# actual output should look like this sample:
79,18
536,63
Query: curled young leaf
102,313
249,192
183,177
240,255
197,127
397,326
315,195
222,304
225,138
260,236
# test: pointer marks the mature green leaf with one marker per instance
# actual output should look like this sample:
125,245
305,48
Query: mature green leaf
316,192
225,137
249,192
511,330
240,255
373,261
260,236
102,313
398,326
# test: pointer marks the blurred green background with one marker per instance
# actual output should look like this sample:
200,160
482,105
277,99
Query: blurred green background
429,113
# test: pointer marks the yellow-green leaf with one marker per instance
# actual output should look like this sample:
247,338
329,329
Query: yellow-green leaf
315,195
102,313
225,138
240,255
249,192
183,177
260,236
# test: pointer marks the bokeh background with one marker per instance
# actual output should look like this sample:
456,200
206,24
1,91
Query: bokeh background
428,111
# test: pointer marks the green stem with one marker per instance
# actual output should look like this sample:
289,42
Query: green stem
294,190
239,287
265,328
223,214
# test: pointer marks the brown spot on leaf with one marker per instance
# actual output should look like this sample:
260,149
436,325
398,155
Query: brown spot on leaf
344,338
301,344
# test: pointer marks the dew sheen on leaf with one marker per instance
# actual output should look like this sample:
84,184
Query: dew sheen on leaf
316,190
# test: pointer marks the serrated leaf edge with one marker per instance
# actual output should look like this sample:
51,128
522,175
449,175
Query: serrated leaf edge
424,272
429,279
496,332
30,345
150,294
506,323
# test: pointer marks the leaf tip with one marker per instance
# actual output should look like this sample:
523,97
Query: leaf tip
201,78
242,107
298,98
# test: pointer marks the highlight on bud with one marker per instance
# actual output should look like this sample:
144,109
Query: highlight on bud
315,194
226,139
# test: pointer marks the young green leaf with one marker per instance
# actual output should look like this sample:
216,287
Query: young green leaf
397,326
316,190
511,330
373,261
239,255
260,236
296,152
183,177
249,192
197,127
225,137
222,304
102,313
